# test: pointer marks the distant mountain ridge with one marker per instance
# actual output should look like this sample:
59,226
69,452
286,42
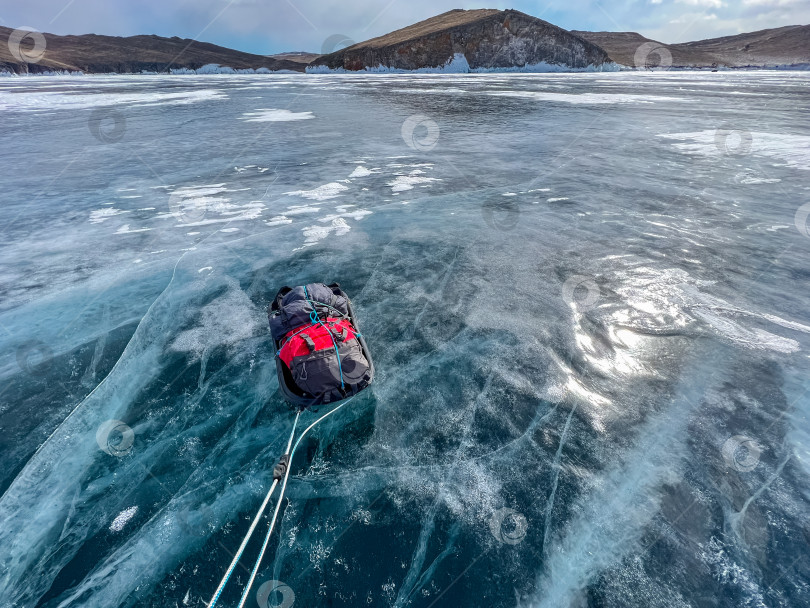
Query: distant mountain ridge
777,47
458,40
297,56
92,53
470,40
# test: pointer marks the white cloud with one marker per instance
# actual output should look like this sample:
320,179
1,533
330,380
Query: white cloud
703,3
693,18
773,3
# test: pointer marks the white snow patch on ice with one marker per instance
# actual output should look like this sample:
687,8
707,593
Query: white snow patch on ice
407,182
278,221
53,100
792,150
301,209
313,234
321,193
122,518
360,171
586,98
432,91
355,215
99,216
226,321
207,190
125,229
229,212
759,180
275,115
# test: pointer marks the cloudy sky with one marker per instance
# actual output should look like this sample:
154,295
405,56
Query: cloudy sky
269,26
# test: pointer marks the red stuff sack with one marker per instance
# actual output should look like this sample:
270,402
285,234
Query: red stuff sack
326,360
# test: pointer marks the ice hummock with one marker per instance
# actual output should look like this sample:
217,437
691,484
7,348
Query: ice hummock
458,64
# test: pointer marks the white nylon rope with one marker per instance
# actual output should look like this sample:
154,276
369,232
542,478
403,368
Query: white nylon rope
280,498
253,525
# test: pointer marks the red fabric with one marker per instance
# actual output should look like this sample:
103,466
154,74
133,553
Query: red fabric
295,346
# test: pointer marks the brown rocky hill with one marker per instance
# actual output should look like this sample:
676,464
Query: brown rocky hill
104,54
297,56
487,38
784,46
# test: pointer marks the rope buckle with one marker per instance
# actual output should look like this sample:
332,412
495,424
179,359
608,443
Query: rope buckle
281,468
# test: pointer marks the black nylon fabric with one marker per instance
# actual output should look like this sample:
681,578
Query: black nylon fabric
320,375
295,310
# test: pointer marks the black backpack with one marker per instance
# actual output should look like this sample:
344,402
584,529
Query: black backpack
320,355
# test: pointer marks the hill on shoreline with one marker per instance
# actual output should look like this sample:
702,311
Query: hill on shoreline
91,53
777,47
470,40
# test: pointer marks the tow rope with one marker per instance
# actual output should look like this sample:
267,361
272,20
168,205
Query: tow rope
281,472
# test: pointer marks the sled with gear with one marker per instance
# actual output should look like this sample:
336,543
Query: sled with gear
321,356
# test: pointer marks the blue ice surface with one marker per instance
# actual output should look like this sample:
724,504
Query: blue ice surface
585,294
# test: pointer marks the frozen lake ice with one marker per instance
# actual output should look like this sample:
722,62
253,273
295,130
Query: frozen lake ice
586,297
